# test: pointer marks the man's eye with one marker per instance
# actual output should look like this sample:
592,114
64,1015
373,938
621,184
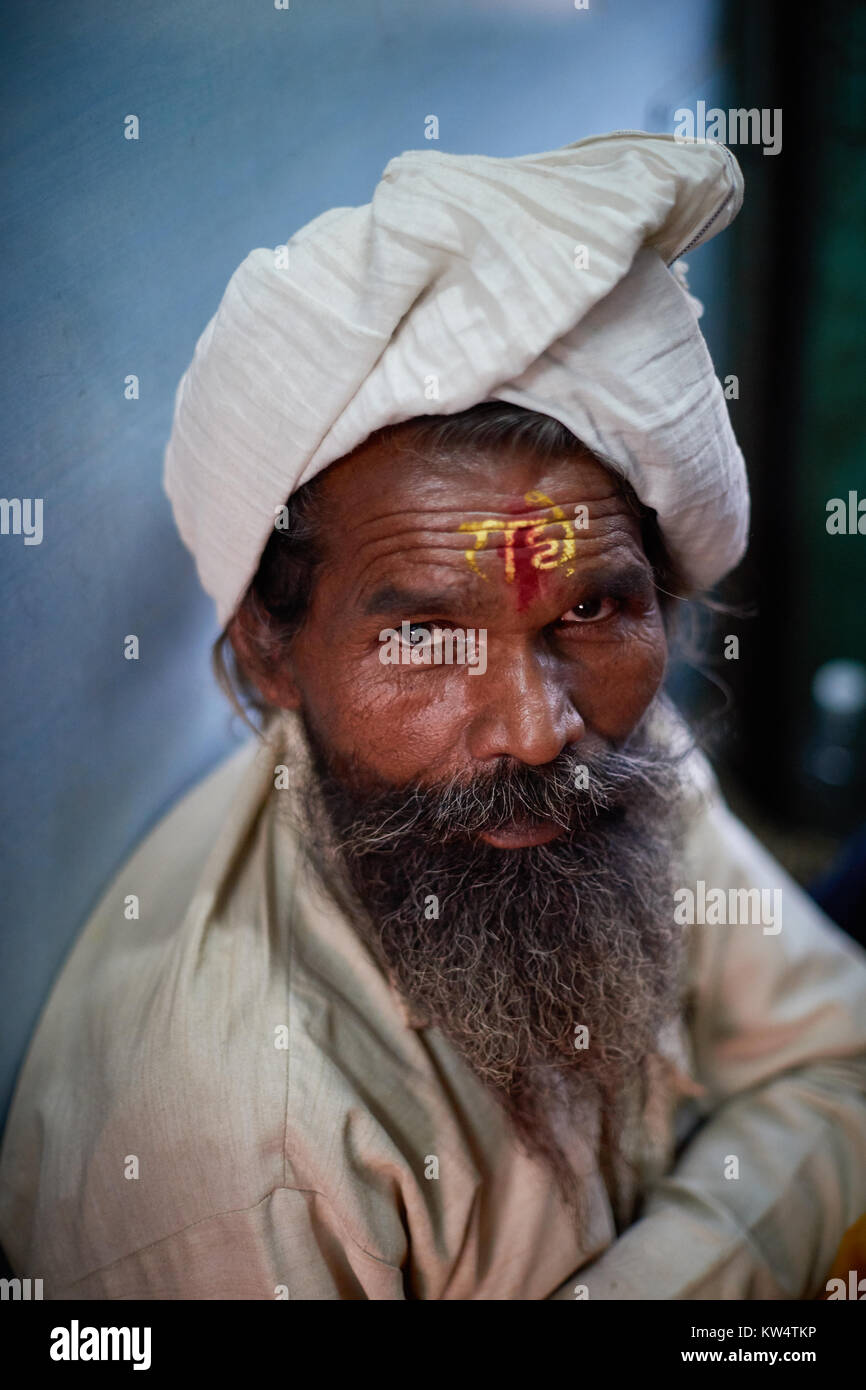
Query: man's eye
592,610
419,631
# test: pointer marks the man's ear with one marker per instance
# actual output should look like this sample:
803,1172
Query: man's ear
275,682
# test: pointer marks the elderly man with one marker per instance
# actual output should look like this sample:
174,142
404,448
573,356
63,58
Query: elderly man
462,981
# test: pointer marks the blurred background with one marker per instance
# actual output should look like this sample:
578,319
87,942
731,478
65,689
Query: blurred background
255,119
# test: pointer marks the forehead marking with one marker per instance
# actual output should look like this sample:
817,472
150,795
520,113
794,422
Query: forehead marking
524,536
524,541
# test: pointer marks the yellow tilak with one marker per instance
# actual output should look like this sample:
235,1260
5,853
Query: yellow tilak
546,557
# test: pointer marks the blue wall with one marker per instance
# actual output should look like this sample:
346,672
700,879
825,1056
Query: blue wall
116,253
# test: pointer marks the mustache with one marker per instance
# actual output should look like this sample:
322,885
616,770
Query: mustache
578,791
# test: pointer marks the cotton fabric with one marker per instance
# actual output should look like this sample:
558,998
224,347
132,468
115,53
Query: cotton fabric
540,279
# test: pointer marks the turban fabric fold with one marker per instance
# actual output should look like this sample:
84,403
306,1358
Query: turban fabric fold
543,280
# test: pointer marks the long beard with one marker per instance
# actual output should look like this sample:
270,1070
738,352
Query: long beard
551,969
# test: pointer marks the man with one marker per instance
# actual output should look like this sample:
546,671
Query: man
462,982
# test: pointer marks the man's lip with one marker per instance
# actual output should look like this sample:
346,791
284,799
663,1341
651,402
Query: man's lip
522,834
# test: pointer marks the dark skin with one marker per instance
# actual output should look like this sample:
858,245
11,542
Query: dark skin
576,651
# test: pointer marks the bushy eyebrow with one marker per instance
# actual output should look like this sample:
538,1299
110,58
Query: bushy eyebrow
632,580
393,599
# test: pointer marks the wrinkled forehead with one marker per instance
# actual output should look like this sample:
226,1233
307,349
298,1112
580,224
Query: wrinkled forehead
386,482
499,523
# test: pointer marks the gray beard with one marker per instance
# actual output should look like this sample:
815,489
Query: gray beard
509,952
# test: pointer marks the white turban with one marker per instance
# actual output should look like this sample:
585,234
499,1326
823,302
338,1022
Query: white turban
542,280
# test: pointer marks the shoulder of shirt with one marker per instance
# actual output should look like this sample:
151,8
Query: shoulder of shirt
219,1033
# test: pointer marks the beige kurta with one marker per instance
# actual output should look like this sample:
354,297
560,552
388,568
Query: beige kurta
224,1099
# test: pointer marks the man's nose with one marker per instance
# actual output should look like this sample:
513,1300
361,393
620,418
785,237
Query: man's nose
525,710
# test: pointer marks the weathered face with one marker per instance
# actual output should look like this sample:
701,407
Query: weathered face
507,898
546,558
